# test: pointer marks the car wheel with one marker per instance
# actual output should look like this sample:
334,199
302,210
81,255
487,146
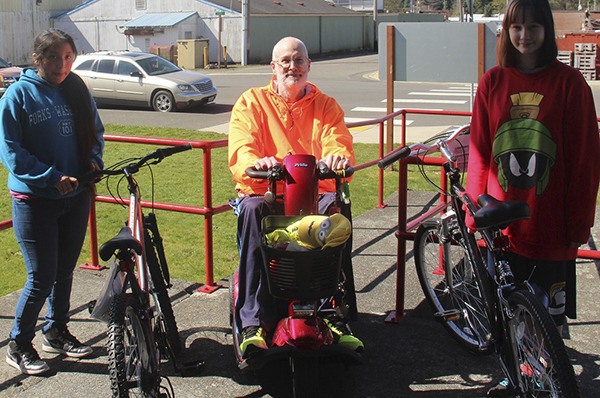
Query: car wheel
163,102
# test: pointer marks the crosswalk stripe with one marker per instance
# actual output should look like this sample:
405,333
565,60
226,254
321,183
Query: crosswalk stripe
384,110
428,101
452,94
397,121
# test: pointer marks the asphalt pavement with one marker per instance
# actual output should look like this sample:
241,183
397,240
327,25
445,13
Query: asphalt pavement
414,357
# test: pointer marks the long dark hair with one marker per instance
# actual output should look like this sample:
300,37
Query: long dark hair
76,95
507,55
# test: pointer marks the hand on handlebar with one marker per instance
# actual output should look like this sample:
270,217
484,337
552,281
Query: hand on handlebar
66,184
265,163
336,162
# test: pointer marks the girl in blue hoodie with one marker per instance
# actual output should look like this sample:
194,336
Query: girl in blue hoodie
50,135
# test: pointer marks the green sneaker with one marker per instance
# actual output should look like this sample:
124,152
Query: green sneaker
342,334
253,337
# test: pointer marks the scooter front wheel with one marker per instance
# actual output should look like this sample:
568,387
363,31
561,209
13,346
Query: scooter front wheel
235,330
305,376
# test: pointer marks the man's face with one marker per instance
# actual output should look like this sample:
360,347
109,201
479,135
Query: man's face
291,65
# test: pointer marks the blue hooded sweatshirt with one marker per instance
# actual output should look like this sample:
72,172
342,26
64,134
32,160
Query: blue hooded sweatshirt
38,144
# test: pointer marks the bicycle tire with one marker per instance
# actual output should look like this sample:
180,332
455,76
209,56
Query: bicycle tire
131,360
167,317
540,361
465,295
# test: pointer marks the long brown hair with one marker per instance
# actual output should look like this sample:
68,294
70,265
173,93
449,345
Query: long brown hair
76,95
507,55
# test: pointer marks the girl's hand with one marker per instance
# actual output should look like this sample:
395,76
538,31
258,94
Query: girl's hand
66,184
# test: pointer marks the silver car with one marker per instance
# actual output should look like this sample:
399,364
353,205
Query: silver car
142,79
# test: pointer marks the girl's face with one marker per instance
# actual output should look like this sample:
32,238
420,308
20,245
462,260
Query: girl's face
55,63
527,35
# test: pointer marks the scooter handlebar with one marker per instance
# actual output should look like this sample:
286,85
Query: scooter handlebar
323,172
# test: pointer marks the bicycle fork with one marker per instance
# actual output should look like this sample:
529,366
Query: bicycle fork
447,237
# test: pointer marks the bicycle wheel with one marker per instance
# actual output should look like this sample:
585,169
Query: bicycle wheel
540,364
471,326
131,354
165,312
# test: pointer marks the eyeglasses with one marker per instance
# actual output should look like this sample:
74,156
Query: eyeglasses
286,63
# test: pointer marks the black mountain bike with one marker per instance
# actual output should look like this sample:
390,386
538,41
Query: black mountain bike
141,322
486,310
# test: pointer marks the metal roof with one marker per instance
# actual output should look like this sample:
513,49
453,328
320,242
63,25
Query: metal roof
158,20
283,7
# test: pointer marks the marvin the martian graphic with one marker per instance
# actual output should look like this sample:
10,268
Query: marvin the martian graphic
523,147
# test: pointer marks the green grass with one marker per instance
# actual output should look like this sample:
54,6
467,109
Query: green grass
178,179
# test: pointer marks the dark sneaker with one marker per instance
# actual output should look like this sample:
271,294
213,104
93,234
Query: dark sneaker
59,340
253,337
25,358
342,334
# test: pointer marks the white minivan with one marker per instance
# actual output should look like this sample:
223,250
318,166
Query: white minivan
142,79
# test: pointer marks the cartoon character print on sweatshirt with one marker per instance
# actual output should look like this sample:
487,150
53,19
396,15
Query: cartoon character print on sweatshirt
523,147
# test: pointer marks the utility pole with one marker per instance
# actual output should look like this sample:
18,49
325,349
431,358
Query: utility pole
245,30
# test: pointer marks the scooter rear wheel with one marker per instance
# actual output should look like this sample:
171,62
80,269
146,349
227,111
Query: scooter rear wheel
235,330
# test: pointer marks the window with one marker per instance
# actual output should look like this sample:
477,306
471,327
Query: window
126,68
106,65
140,4
85,65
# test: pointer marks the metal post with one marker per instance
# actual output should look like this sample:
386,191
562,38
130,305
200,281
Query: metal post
245,30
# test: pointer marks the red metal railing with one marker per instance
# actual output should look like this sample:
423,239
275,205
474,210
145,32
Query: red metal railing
403,232
207,210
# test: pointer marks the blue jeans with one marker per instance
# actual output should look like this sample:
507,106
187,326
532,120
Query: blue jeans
50,234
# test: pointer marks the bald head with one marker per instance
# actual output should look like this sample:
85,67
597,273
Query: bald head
289,44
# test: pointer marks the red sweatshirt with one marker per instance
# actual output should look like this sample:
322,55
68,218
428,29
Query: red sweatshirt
534,138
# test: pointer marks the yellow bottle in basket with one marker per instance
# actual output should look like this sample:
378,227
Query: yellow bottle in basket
313,232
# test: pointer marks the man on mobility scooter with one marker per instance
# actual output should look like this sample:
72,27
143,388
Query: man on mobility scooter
289,115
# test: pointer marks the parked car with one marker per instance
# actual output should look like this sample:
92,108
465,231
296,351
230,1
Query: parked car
137,78
8,75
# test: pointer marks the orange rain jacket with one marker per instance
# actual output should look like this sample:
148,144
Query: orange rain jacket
264,124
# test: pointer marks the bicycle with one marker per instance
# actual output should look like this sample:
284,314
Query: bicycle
485,309
141,322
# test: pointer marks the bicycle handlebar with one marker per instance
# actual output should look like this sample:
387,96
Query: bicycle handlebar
440,144
394,156
158,155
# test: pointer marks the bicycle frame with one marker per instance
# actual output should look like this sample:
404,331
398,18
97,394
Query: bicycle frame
138,250
136,225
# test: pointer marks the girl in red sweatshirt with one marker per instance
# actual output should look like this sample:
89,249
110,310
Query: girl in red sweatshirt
534,138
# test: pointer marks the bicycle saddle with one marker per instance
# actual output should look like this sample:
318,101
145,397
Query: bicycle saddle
498,214
123,240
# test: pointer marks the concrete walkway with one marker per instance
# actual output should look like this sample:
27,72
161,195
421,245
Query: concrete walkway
415,358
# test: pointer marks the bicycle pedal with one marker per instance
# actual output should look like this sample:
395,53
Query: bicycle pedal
448,315
190,368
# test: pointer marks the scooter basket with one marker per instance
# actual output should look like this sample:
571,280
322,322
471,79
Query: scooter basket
311,274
